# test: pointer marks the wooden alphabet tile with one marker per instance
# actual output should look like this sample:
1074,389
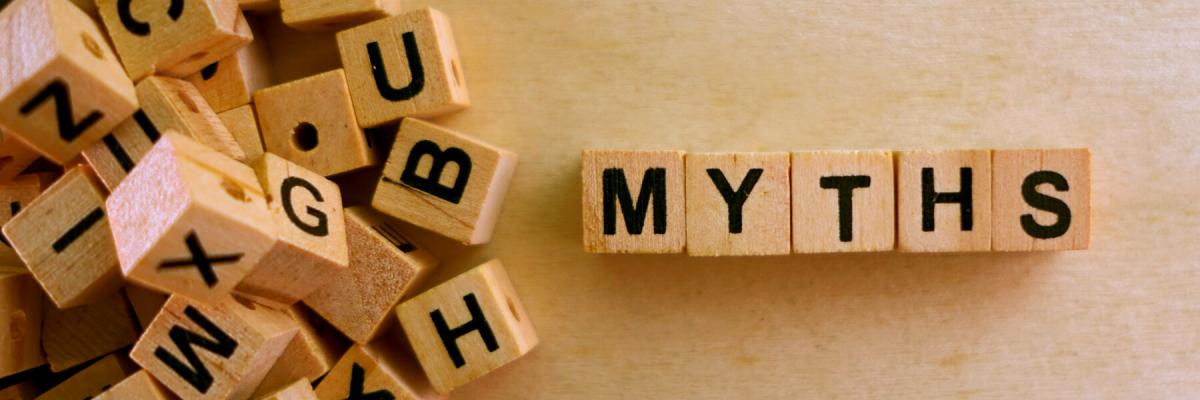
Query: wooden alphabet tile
145,302
174,38
118,152
319,135
175,104
944,200
309,356
301,389
243,125
80,334
843,201
231,82
15,156
14,196
737,204
1041,199
92,380
633,201
20,321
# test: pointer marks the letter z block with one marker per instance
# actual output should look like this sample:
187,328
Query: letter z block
20,321
467,326
319,135
1041,199
633,201
376,371
734,204
843,201
175,38
445,181
61,86
944,200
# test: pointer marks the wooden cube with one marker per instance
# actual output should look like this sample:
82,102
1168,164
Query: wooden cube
174,104
378,370
231,82
20,321
15,156
944,200
189,220
309,356
174,38
62,87
119,151
633,201
14,196
734,204
63,236
403,66
384,264
467,326
243,125
301,389
77,335
307,212
318,135
843,201
139,386
297,54
93,380
146,304
318,15
218,350
445,181
1041,199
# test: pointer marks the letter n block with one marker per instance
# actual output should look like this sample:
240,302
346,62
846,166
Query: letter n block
319,135
403,66
734,204
445,181
380,370
62,86
188,220
467,326
944,200
633,201
218,350
1041,199
20,321
175,38
843,201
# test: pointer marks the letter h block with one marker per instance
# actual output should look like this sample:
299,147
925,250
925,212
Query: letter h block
944,200
1041,199
445,181
633,201
467,326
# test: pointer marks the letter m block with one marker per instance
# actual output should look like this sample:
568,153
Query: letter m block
633,201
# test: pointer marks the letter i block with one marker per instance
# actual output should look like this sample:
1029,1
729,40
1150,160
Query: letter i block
633,201
736,203
319,135
62,86
189,220
384,264
20,321
63,236
467,326
1041,199
944,200
139,386
231,82
218,350
843,201
14,156
307,212
376,371
320,15
403,66
445,181
175,38
80,334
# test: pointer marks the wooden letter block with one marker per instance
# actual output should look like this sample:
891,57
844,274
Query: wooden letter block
319,15
384,264
175,38
139,386
843,201
944,200
219,350
231,82
93,380
14,196
174,104
633,201
307,212
467,326
77,335
119,151
62,87
63,236
309,355
301,389
1041,199
379,370
189,220
20,321
243,125
735,202
319,135
145,302
14,156
445,181
403,66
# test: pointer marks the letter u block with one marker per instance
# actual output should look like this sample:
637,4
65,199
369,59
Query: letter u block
62,87
1041,199
944,200
175,38
633,201
445,181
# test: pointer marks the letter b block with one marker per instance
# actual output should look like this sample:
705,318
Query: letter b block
1041,199
944,200
633,201
467,326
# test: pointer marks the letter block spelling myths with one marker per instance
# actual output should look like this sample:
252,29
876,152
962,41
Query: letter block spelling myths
737,204
1041,199
843,201
633,201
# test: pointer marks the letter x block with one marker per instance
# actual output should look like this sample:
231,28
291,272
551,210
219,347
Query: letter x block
380,370
175,38
843,201
62,87
190,221
310,121
633,201
445,181
219,350
20,321
944,200
1041,199
736,203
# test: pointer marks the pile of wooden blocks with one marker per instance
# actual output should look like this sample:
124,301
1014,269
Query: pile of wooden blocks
179,183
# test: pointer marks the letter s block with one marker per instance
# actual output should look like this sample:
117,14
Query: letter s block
62,87
467,326
735,202
175,38
1041,199
445,181
944,200
633,201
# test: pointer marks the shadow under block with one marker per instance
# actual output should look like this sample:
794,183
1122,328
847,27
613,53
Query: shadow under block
216,350
231,82
467,326
944,201
445,181
1041,199
242,123
175,38
63,237
20,321
403,66
23,390
77,335
379,369
189,220
319,135
15,155
737,203
306,210
321,15
311,354
61,86
301,389
633,201
93,380
139,386
384,264
843,201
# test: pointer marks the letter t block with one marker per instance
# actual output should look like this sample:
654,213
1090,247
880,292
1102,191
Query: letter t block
633,201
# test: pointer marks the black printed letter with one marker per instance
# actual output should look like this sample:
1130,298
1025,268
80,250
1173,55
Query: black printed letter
735,200
477,323
414,66
930,198
357,380
845,186
220,344
141,28
430,184
654,185
68,130
322,226
1045,203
